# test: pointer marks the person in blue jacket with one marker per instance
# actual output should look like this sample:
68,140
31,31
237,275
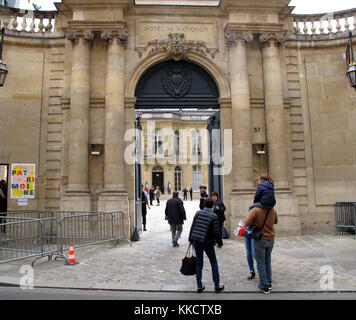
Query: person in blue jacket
264,196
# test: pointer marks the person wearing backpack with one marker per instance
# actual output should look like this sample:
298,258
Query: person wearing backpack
264,219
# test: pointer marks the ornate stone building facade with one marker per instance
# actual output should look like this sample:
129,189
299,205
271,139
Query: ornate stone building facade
282,95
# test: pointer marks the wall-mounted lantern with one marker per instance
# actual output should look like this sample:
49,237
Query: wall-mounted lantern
3,67
260,148
350,63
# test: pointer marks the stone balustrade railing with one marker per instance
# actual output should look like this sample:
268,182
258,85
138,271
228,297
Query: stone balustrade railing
27,21
325,24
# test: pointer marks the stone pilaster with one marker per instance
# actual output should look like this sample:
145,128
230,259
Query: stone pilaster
276,127
77,196
241,113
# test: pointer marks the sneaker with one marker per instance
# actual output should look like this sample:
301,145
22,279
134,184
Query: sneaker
270,286
251,275
264,290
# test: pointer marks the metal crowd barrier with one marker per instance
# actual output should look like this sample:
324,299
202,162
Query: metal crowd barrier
92,228
22,238
345,217
27,234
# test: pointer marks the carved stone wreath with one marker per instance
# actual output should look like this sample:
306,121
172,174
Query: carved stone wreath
176,81
177,47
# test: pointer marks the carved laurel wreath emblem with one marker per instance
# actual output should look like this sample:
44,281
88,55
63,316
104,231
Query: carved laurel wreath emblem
176,81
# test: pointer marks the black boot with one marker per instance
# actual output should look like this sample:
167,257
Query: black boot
144,228
251,275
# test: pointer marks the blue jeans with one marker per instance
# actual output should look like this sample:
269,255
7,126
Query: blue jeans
263,251
250,252
210,252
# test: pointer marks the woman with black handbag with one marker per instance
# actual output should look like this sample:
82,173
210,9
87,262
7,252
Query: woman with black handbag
261,221
204,233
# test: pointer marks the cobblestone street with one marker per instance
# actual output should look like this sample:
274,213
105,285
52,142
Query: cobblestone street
153,264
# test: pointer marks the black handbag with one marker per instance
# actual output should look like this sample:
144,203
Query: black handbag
225,234
189,263
255,232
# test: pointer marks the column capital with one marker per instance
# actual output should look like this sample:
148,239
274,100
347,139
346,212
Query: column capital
235,37
75,34
121,36
272,38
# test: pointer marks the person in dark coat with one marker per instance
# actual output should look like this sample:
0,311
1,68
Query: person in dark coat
204,234
191,193
151,193
185,194
219,209
3,202
143,205
175,214
264,197
203,197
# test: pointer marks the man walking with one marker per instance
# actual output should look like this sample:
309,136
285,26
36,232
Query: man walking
204,233
158,194
266,218
191,193
203,197
175,214
185,194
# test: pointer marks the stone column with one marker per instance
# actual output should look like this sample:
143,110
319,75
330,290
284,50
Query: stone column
77,196
277,144
114,196
241,113
277,141
114,112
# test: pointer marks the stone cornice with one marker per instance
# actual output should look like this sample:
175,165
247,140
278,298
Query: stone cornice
257,27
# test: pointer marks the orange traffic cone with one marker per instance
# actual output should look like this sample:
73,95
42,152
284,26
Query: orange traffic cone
71,258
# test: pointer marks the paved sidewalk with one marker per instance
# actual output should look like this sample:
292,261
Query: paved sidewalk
152,264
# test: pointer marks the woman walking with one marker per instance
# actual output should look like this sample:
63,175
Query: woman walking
204,234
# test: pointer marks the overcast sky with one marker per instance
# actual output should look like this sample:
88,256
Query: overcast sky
302,6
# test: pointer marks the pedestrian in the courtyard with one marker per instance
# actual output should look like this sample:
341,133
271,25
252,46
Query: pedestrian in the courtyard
152,195
203,197
263,218
185,194
191,193
158,194
175,214
264,196
144,208
204,234
218,209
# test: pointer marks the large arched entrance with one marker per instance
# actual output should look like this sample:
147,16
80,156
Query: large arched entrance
173,86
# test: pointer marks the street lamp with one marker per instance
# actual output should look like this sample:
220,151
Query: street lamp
350,63
3,68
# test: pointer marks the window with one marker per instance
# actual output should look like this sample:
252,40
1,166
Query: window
158,143
196,143
176,142
197,179
177,179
